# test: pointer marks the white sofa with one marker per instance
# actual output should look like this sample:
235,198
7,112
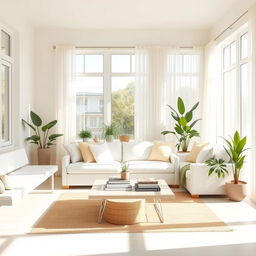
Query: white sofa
23,177
197,181
135,153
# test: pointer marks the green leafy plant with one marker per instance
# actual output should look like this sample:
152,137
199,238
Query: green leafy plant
217,166
41,136
235,149
183,129
85,134
111,130
124,166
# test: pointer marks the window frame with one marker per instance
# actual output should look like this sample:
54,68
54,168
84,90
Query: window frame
8,61
107,74
235,37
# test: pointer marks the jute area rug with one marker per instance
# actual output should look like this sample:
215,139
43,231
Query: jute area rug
74,213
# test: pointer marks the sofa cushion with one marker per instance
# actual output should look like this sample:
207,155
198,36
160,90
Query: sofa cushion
92,168
205,154
101,153
133,151
116,150
86,152
74,152
197,147
150,167
220,153
161,151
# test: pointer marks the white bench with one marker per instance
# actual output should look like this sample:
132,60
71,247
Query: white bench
23,177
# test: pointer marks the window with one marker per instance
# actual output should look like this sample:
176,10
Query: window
105,90
5,87
235,81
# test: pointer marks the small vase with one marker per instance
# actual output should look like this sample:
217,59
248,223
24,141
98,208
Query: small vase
44,156
85,139
125,175
109,138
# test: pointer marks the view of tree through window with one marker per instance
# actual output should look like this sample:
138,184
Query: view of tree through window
104,90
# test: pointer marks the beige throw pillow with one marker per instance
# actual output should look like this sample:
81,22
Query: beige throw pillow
197,147
86,152
161,152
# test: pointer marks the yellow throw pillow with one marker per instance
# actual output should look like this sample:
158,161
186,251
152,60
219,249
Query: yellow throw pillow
86,152
161,152
197,147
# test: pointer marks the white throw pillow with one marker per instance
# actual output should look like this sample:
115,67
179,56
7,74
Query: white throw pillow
6,181
2,188
115,148
220,153
205,154
133,151
74,152
101,153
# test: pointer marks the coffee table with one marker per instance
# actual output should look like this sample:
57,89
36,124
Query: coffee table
98,192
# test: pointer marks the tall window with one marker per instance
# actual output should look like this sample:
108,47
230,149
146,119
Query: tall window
235,78
105,90
5,87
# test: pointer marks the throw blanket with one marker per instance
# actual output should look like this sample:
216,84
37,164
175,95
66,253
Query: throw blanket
183,171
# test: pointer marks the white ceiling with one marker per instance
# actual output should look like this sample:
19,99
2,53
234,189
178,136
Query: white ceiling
121,14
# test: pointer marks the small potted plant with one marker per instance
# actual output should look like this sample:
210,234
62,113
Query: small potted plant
124,171
110,132
183,129
85,135
41,137
236,189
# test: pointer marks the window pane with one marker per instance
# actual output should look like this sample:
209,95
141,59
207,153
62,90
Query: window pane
233,53
244,46
120,63
245,111
89,104
4,100
226,57
79,62
123,103
133,63
5,43
94,63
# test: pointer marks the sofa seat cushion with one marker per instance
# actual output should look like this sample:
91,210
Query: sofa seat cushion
150,167
81,167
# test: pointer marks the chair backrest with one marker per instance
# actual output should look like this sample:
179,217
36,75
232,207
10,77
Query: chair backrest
13,160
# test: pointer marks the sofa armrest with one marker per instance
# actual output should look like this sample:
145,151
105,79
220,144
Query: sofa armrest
176,165
65,163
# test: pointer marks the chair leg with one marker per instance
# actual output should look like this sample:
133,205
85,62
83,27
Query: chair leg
195,196
65,187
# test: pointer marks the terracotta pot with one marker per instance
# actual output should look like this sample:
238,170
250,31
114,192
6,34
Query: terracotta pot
124,138
44,156
236,192
125,175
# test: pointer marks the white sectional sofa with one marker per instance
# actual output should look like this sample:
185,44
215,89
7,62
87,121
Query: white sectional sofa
135,153
23,178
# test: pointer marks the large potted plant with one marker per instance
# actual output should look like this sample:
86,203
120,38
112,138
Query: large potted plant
110,132
184,124
41,137
236,189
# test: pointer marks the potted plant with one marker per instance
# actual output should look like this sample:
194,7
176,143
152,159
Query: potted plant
183,129
41,138
110,132
85,135
124,171
124,138
236,189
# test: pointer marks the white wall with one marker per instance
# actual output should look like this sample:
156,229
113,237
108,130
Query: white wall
23,83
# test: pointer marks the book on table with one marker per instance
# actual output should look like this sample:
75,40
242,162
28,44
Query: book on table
147,181
147,187
118,184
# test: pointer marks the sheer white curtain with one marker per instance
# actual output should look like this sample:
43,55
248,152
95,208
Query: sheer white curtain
65,96
212,124
251,161
150,100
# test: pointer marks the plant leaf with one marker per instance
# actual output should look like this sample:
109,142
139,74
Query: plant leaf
189,116
36,120
183,121
194,107
181,106
54,136
30,125
49,125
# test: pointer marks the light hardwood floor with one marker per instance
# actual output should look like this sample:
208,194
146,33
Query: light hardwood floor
16,221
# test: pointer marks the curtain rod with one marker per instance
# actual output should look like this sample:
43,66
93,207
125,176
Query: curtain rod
102,47
226,29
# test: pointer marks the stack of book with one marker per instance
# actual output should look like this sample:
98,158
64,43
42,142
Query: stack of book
116,184
147,185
